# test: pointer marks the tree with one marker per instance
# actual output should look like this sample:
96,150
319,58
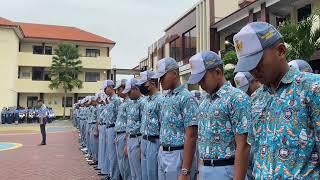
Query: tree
230,58
65,69
302,38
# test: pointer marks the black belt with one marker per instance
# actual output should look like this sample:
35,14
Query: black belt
219,162
171,148
102,124
92,123
111,125
135,135
150,138
120,132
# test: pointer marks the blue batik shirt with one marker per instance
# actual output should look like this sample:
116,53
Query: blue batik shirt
178,112
100,109
286,128
121,123
92,116
112,110
150,124
134,112
222,116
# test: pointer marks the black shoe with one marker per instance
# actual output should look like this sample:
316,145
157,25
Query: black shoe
100,174
42,144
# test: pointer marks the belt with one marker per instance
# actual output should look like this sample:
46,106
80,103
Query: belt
150,138
111,125
93,123
120,132
102,124
135,135
219,162
171,148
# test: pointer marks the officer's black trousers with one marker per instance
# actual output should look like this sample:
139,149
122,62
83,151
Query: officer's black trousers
43,132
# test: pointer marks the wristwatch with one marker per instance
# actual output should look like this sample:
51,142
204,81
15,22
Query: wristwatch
185,172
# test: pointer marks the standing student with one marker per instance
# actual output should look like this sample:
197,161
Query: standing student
111,117
286,109
42,119
121,125
134,114
178,131
223,121
246,83
150,125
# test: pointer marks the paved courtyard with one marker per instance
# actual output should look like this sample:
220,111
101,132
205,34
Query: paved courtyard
60,159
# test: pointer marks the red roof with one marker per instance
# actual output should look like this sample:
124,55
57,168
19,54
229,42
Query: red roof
6,22
42,31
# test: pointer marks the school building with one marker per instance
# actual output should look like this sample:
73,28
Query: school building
26,52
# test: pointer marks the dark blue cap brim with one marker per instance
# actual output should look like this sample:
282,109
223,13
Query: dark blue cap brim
246,64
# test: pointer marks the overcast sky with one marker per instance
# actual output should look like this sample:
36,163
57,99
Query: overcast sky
132,24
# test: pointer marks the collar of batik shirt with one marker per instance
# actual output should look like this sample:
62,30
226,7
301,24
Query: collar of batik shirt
177,90
113,97
222,91
152,97
288,78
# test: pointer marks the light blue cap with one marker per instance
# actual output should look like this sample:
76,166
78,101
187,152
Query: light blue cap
145,76
243,80
302,65
165,65
107,83
130,84
250,43
201,62
120,83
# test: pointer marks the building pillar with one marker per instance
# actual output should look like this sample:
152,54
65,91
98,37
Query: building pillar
251,16
18,99
114,75
264,13
75,97
214,40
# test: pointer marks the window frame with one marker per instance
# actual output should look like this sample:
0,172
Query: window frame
89,80
94,52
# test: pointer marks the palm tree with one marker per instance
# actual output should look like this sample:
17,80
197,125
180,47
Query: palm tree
302,38
65,69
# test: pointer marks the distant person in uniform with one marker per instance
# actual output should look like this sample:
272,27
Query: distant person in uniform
42,120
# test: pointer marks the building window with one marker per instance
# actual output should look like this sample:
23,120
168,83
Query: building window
108,51
92,52
40,74
175,47
48,50
42,50
92,76
69,102
190,43
32,101
37,49
304,12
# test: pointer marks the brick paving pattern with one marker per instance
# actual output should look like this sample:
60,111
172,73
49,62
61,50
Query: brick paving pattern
61,159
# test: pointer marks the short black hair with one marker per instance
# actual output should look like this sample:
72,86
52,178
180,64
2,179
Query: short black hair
40,100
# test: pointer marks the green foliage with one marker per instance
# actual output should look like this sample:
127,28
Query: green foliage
65,69
230,58
302,38
228,74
